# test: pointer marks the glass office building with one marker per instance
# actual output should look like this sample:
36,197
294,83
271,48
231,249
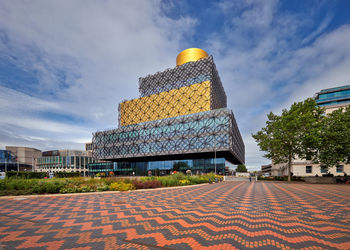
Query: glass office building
8,161
333,96
181,116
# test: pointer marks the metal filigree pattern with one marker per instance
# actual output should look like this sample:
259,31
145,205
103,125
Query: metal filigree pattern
176,102
186,75
181,111
196,133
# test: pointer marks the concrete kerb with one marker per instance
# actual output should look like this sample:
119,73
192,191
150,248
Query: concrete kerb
20,197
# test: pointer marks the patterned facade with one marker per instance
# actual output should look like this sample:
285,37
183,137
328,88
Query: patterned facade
176,102
186,75
181,113
196,133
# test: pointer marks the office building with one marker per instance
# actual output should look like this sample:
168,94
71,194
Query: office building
180,116
338,96
24,157
64,161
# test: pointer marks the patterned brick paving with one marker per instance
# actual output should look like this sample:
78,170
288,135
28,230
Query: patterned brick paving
232,215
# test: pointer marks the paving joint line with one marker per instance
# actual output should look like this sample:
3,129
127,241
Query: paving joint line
14,217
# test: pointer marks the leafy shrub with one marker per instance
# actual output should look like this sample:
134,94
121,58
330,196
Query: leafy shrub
17,184
195,179
82,185
184,182
179,176
169,181
121,186
37,175
212,177
146,184
110,180
47,186
102,187
149,178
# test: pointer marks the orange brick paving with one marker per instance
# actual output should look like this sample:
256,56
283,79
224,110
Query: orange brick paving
233,215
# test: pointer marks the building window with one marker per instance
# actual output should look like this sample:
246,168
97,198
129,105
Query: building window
340,168
308,169
324,170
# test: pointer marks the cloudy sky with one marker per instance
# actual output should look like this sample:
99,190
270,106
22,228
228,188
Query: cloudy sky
66,64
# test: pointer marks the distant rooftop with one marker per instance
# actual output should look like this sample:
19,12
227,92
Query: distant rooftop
333,96
335,89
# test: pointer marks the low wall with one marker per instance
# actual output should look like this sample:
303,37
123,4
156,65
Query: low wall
320,180
236,178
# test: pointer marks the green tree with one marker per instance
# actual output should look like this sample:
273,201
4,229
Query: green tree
293,134
241,168
334,146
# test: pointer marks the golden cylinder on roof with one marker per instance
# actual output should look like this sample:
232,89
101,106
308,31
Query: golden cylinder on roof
190,55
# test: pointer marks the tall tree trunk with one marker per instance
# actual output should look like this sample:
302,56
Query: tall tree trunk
289,168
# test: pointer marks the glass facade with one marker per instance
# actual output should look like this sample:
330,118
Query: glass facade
101,167
196,133
212,126
7,156
333,96
63,163
197,166
8,161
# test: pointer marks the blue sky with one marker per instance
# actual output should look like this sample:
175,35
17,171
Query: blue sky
65,65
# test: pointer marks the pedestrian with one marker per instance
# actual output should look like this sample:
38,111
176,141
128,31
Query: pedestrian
250,178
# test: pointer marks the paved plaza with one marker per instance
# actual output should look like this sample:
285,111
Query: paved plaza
231,215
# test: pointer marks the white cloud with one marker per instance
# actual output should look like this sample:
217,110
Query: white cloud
266,67
14,101
87,56
323,25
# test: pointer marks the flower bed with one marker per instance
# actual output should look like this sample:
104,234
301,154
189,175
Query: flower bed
14,186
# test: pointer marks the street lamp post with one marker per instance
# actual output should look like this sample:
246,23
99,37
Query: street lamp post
215,153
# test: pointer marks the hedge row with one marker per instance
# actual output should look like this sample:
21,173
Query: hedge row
26,175
67,174
39,175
